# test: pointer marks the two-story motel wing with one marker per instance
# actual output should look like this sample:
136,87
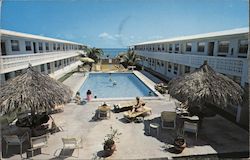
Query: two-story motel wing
226,52
48,55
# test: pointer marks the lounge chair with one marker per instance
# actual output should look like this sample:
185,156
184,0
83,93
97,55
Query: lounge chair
37,143
123,106
130,116
168,120
72,143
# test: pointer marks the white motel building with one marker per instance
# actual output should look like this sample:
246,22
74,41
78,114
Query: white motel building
226,52
48,55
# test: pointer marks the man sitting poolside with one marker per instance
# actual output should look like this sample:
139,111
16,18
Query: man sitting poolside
138,107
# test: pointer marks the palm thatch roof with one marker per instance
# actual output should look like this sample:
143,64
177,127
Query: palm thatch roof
32,91
204,85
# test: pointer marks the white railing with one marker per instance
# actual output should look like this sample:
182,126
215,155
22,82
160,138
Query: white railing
16,62
226,65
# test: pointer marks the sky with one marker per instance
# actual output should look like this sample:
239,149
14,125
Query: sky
120,23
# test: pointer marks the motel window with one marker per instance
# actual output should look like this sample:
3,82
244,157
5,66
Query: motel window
177,47
63,47
58,47
159,48
40,45
187,69
47,46
243,46
54,46
7,76
15,45
162,64
28,45
55,64
201,47
223,47
42,68
162,47
170,48
188,47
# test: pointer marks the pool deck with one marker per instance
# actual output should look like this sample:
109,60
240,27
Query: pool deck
217,135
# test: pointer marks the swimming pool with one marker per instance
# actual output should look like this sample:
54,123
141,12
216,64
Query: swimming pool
115,85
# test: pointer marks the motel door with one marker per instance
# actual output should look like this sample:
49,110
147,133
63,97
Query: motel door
34,47
211,48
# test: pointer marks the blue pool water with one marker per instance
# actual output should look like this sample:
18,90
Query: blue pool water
127,85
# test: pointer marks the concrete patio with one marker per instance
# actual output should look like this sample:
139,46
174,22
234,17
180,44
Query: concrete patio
217,135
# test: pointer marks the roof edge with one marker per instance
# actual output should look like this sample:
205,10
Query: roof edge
33,36
198,36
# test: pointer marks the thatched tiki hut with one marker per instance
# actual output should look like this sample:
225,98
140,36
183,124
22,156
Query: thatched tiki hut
32,91
205,86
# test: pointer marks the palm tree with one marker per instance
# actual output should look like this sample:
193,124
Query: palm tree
94,53
130,58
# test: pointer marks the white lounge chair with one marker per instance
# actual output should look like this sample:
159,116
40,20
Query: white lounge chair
72,143
15,140
168,120
38,142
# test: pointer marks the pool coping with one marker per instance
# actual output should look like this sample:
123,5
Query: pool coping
145,80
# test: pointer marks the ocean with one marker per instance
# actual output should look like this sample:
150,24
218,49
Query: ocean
112,52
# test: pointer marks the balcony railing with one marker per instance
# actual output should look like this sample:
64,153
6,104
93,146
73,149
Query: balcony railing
16,62
225,65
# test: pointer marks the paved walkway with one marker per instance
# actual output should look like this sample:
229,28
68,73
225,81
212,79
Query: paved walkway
152,77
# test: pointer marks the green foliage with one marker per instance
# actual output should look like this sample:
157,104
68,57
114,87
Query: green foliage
94,53
110,138
130,58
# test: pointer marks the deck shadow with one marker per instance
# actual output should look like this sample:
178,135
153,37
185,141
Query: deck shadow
65,153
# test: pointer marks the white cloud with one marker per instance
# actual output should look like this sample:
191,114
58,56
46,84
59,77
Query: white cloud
105,35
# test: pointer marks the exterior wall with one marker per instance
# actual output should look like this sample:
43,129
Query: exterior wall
233,45
22,47
156,52
55,72
15,62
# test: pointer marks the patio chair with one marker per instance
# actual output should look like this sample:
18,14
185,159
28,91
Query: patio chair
190,127
15,140
38,142
168,120
72,143
130,116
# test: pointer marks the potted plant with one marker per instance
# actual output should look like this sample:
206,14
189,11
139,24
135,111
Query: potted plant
109,142
179,143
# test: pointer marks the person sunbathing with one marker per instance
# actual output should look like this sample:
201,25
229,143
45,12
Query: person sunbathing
138,107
